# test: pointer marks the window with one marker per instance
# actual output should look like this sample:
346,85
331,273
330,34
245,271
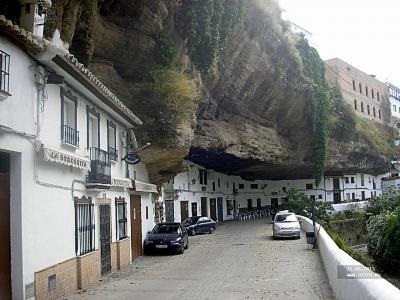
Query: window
377,96
284,189
254,186
360,87
354,84
213,186
4,73
368,109
84,225
355,104
394,108
93,128
353,196
372,93
319,196
147,212
219,183
309,186
112,141
241,186
229,207
374,112
362,180
346,179
258,203
362,107
352,179
203,177
69,134
379,113
366,91
121,219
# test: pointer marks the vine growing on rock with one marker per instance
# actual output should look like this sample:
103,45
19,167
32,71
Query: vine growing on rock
317,91
208,24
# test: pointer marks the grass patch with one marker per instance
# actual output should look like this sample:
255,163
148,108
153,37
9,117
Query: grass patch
377,136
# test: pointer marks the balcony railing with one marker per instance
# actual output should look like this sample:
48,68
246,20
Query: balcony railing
70,136
113,154
100,166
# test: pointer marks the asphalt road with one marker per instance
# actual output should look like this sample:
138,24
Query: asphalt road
239,261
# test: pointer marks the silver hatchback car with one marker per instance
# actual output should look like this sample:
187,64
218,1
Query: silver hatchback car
286,224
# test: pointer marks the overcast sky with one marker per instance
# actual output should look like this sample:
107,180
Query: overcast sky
364,33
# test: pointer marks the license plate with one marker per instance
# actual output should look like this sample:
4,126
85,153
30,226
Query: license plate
161,246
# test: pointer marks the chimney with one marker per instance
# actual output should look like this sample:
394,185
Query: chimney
33,13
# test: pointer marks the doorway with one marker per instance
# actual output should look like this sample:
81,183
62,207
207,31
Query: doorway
336,198
363,195
249,204
105,239
184,210
169,211
194,209
5,245
274,202
136,226
220,210
213,209
204,207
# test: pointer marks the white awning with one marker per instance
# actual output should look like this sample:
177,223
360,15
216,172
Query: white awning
144,187
65,158
121,182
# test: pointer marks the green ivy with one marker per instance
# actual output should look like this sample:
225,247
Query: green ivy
317,91
208,23
165,50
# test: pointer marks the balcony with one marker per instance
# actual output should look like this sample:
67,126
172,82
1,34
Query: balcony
70,136
100,168
113,154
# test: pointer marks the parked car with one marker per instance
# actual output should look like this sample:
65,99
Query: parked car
196,225
167,237
286,224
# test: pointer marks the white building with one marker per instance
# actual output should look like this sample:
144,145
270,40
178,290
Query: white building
199,191
394,99
70,208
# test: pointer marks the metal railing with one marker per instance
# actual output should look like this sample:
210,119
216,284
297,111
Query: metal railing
113,153
84,228
4,72
70,136
100,166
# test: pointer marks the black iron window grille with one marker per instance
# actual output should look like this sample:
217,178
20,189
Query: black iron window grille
121,219
69,134
4,72
84,226
100,166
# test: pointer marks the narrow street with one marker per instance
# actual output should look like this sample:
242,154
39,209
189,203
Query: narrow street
239,261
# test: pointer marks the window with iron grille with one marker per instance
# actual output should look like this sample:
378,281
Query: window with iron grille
4,72
120,209
69,132
112,141
84,225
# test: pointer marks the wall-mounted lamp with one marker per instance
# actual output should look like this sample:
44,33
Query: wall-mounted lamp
193,181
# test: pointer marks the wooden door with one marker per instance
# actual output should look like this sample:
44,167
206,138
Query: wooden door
213,209
336,198
194,209
204,207
169,211
184,210
220,210
5,253
105,239
362,195
136,226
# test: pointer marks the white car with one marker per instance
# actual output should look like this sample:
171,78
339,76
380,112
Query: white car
286,224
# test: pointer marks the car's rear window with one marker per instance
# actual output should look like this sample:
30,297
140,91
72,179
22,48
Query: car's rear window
165,228
191,220
286,218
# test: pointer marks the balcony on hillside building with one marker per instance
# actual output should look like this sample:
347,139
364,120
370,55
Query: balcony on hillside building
70,136
100,168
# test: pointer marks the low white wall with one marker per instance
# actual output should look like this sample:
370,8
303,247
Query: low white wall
350,206
332,256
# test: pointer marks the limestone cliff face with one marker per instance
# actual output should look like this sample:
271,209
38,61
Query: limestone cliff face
253,118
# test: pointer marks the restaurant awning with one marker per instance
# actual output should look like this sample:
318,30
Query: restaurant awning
144,187
65,158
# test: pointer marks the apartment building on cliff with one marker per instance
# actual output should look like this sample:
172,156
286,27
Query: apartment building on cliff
70,209
366,95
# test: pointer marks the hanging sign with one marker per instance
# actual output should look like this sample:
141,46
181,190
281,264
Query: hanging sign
131,159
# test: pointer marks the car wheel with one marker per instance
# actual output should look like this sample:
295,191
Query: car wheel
212,229
193,232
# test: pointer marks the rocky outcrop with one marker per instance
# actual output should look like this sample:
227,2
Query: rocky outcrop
253,118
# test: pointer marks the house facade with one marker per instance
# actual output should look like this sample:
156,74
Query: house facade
199,191
366,95
394,99
71,209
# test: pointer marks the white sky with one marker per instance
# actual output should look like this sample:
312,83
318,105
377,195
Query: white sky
364,33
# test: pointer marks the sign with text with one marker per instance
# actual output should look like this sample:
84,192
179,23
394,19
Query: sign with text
65,158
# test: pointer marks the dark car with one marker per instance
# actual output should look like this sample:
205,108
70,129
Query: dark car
167,237
199,224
